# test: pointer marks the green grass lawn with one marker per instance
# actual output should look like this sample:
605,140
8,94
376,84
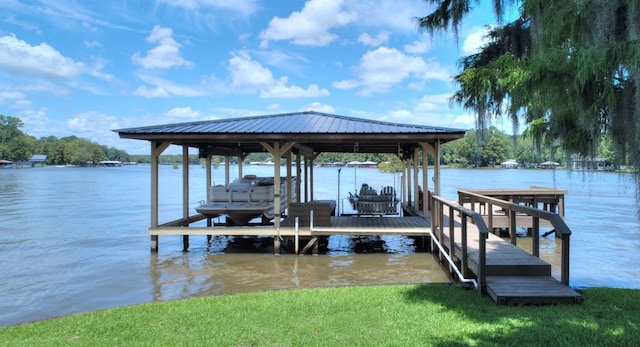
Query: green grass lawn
399,315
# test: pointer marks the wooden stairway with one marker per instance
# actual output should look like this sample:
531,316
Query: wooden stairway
513,275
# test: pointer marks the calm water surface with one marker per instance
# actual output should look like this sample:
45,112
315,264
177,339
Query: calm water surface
74,240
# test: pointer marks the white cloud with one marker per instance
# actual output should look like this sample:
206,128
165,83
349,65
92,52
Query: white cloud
311,26
385,67
90,122
156,87
435,71
164,56
151,92
381,69
319,107
435,109
421,46
281,90
289,61
433,102
91,44
19,58
466,121
245,7
368,40
14,99
249,76
346,84
474,41
181,114
392,14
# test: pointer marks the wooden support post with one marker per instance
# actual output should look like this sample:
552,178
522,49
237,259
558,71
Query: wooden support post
436,169
410,184
299,195
227,171
564,273
297,235
276,244
154,243
310,180
512,227
452,241
416,182
185,243
535,237
307,190
313,242
185,194
425,183
482,276
490,217
316,246
464,246
156,149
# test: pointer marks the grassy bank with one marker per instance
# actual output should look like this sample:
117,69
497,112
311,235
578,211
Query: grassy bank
408,315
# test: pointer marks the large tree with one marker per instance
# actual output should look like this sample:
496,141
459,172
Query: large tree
14,144
567,68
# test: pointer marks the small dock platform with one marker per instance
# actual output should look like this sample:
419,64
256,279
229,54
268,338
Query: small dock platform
547,199
513,275
504,271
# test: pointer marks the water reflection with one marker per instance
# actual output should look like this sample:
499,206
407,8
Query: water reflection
348,261
89,250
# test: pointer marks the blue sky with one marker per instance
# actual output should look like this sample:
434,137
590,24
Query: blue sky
85,68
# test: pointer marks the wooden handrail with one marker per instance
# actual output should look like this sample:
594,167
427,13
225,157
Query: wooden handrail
437,219
511,209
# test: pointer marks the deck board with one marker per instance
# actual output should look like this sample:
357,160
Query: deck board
503,258
514,276
530,290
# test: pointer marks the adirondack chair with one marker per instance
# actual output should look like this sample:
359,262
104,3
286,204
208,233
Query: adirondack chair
370,203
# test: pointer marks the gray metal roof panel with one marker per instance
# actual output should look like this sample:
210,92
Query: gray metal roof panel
308,122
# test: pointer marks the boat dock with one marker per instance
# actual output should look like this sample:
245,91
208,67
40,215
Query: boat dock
464,245
288,209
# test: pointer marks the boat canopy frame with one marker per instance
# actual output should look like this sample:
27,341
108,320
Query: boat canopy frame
303,135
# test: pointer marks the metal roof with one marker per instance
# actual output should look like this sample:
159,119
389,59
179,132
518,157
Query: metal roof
319,132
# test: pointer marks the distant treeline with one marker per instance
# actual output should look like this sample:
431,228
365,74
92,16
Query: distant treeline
15,145
474,150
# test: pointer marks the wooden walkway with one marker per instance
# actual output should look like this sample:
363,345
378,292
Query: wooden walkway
513,275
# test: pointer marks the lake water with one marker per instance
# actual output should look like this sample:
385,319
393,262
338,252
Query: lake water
75,239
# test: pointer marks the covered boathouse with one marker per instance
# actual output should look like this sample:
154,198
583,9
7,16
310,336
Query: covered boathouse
459,235
290,137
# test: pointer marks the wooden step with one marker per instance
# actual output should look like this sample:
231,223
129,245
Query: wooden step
526,290
503,258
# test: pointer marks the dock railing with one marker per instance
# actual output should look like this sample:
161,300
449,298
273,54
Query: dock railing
439,205
511,210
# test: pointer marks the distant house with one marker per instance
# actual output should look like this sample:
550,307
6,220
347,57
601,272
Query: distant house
38,160
580,162
548,165
6,164
110,163
510,164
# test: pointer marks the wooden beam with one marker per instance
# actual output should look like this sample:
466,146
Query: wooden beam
313,242
416,196
185,193
156,149
304,150
425,183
